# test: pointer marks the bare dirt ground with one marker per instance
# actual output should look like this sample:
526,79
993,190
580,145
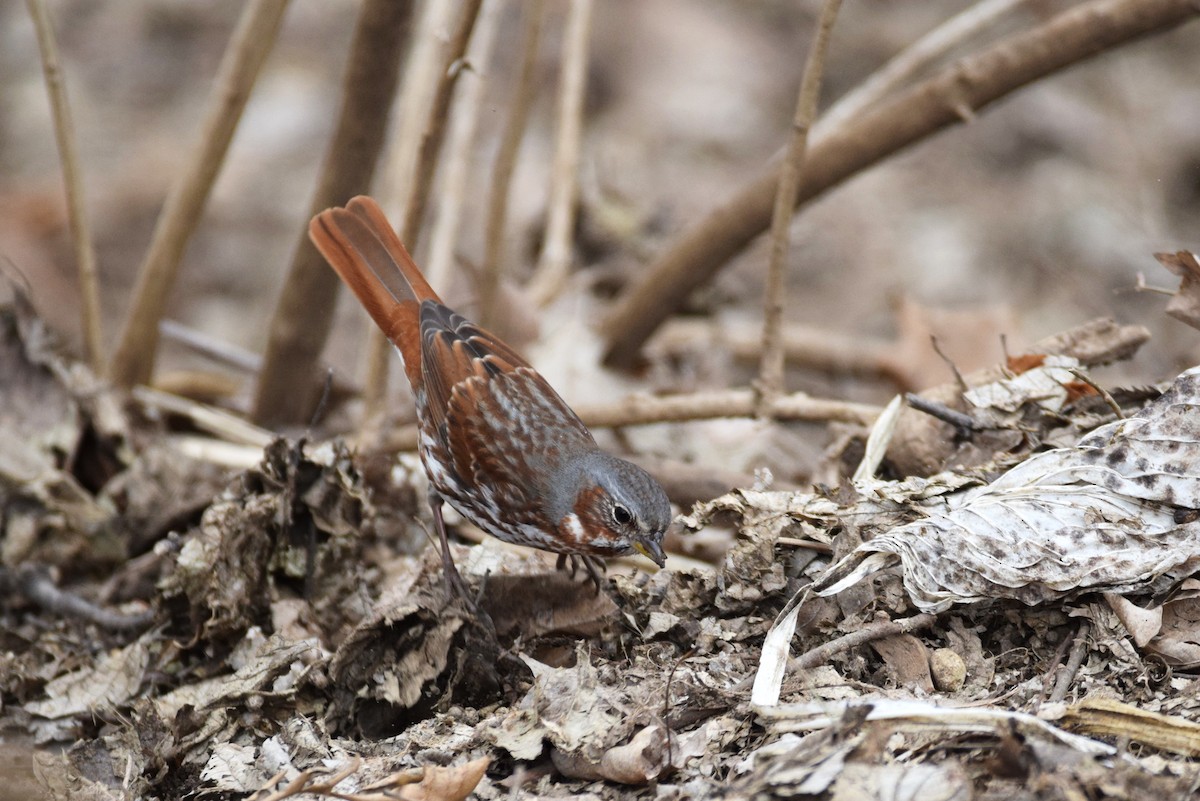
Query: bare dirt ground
194,606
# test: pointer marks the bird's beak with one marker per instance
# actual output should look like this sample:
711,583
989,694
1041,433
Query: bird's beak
652,550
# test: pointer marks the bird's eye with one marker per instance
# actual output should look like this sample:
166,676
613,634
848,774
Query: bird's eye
622,515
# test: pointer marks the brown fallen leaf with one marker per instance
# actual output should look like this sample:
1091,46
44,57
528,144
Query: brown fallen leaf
970,338
1178,639
908,660
1185,303
1142,624
454,783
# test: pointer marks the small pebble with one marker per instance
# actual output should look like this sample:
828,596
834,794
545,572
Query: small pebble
948,669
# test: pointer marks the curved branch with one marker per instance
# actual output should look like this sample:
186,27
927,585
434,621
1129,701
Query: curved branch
954,95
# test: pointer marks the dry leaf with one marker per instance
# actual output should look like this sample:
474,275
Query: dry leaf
567,706
776,650
274,666
110,682
1185,304
1098,516
908,659
638,761
231,768
454,783
258,532
1178,639
923,445
1142,624
418,648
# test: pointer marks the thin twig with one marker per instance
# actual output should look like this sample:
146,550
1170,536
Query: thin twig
963,423
908,62
218,350
555,260
218,422
936,344
770,374
810,545
491,272
304,783
431,141
973,82
647,409
1109,400
34,582
303,318
459,145
1079,651
803,346
81,233
133,361
873,631
422,178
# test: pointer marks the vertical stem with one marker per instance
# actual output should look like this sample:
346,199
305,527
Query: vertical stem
81,233
431,141
555,261
414,210
422,74
137,347
502,170
770,378
288,384
459,145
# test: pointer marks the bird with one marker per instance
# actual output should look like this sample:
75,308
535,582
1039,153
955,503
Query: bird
496,441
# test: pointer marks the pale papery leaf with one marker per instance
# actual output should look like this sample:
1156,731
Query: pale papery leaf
111,681
1178,641
1185,303
1100,516
1045,386
1142,624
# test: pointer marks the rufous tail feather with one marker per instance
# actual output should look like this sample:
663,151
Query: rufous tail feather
360,245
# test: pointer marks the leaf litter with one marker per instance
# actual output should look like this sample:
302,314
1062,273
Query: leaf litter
1006,626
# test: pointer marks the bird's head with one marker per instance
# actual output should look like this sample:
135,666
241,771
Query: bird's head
618,508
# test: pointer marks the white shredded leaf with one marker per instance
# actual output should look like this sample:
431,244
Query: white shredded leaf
1101,516
1045,386
772,664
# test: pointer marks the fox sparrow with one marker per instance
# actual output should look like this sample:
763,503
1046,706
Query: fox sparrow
496,440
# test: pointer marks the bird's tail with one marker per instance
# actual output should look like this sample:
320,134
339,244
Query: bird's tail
361,246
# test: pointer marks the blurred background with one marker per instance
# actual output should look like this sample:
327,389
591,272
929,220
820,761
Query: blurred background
1037,216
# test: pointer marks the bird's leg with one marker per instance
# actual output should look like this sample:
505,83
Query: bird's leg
454,582
595,570
593,566
573,560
